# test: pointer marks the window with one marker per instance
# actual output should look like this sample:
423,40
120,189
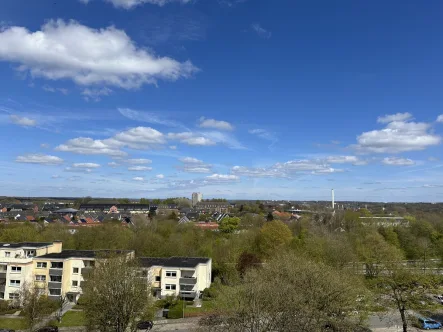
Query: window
7,254
170,287
74,283
55,291
55,278
56,265
16,269
42,265
75,270
158,278
2,295
13,296
40,278
171,274
14,283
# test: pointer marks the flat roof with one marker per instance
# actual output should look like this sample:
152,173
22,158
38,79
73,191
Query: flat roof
172,261
25,244
81,254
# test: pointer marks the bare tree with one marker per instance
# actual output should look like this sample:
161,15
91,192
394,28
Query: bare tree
115,295
35,305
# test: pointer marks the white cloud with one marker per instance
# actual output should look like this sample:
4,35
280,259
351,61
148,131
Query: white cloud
222,178
160,176
262,32
135,138
342,159
78,169
89,146
69,50
211,123
48,88
85,165
139,168
39,159
113,164
191,139
140,161
394,117
398,136
440,118
194,165
394,161
22,121
138,178
55,176
44,146
173,147
258,172
95,94
129,4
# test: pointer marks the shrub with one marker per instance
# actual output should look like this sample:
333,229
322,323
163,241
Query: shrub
176,311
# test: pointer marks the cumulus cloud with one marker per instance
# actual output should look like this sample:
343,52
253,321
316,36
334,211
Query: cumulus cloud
95,94
136,138
85,165
87,56
261,32
394,161
138,178
113,164
22,121
222,178
194,165
342,159
440,118
394,117
160,176
216,124
129,4
139,168
41,159
288,169
397,136
173,147
191,139
139,161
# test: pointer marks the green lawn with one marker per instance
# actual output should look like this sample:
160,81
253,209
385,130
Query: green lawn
207,306
73,318
12,323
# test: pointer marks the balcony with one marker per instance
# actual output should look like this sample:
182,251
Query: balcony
56,272
189,295
3,275
86,270
188,281
54,284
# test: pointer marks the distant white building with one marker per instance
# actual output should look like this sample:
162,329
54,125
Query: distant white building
196,197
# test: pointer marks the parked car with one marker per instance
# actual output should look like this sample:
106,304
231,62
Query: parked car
48,329
145,325
429,324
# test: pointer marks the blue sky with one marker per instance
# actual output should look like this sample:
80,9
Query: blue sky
238,99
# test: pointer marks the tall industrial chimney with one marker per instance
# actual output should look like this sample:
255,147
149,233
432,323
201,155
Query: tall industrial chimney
333,204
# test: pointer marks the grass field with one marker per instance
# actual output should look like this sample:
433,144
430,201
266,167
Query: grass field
207,307
73,318
12,323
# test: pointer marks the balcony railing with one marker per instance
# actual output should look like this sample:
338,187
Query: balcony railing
188,281
56,272
55,284
189,295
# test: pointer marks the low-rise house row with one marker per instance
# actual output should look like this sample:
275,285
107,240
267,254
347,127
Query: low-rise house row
60,272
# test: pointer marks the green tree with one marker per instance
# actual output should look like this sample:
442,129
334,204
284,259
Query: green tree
290,293
229,224
35,306
273,235
270,216
404,289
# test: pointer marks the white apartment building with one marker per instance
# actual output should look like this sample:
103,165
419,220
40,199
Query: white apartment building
186,277
16,265
196,197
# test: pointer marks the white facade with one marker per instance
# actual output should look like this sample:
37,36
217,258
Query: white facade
186,282
196,197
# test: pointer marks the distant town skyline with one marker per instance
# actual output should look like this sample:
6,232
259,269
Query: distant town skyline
163,98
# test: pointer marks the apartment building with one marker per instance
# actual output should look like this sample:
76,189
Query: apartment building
16,265
186,277
62,273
